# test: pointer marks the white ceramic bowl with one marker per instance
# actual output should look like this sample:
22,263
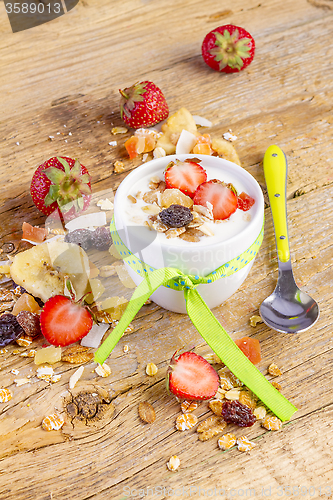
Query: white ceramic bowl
192,258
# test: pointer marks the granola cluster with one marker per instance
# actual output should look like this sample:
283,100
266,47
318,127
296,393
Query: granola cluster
158,199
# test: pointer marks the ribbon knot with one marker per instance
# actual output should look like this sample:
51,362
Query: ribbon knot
185,282
202,318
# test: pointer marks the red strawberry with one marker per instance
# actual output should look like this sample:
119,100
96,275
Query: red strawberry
245,202
185,176
192,377
222,198
64,321
61,183
143,105
228,49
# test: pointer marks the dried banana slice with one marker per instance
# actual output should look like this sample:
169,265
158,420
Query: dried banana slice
43,269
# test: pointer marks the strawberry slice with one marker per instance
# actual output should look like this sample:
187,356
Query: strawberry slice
190,376
222,198
64,321
245,202
185,176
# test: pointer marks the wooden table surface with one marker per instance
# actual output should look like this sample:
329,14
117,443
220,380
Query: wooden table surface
61,79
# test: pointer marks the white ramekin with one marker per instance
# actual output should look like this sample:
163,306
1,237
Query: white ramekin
191,258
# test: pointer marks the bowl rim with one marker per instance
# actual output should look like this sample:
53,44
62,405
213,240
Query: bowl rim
159,163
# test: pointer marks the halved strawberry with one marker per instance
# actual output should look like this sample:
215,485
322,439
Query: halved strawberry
64,321
222,198
245,202
190,376
185,175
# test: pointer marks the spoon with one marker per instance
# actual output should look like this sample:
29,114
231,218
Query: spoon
287,309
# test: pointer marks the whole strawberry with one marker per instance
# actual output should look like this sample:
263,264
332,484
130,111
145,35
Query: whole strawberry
61,183
228,48
143,105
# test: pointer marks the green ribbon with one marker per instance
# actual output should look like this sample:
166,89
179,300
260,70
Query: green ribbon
204,321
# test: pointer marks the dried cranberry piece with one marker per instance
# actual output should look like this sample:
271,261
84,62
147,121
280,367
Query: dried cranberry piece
101,238
30,323
10,329
176,216
235,412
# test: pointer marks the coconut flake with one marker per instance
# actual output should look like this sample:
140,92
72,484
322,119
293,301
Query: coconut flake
94,337
75,377
229,137
203,122
186,142
87,221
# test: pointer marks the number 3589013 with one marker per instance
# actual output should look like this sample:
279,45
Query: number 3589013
32,8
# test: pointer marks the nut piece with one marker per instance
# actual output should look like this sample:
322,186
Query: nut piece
151,369
260,412
244,444
227,441
75,377
274,370
208,423
118,130
233,394
5,395
189,406
271,423
186,421
220,394
103,370
173,463
254,320
53,422
228,379
77,354
147,412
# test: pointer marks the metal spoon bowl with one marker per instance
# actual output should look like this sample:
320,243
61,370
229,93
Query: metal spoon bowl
288,309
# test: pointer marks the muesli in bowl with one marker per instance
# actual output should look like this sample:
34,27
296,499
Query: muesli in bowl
194,213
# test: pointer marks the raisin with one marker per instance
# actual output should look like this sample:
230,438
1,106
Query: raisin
235,412
176,216
101,238
30,323
81,237
10,329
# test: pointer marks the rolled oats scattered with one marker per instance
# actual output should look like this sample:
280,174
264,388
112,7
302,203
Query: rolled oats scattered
259,412
247,398
159,226
118,167
255,319
103,370
233,394
53,422
131,198
45,373
118,130
77,354
186,421
274,370
220,394
151,369
188,406
226,374
159,152
244,444
210,428
227,441
206,230
271,423
155,179
24,341
173,233
276,385
173,463
213,358
152,209
216,406
5,395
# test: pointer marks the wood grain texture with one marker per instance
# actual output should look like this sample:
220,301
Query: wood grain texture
61,80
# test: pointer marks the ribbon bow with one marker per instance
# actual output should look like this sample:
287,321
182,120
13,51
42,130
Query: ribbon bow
206,324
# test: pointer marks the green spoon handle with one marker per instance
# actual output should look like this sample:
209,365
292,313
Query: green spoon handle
275,170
